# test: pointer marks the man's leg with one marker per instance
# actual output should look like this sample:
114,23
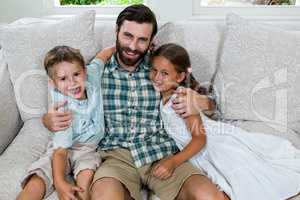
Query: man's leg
109,188
201,188
116,178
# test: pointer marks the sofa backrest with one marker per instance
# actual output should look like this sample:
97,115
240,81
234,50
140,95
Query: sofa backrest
202,39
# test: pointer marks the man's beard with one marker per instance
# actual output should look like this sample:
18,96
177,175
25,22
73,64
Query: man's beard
127,61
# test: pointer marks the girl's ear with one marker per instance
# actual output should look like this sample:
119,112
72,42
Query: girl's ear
116,31
180,77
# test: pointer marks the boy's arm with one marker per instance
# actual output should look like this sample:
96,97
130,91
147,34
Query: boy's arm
59,163
59,160
105,54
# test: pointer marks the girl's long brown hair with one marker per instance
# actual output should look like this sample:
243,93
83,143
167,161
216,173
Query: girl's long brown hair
179,57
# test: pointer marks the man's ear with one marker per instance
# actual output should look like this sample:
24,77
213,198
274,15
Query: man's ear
152,45
180,77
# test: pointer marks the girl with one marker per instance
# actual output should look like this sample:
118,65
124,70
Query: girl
244,165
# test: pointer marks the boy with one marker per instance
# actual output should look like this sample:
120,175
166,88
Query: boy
72,150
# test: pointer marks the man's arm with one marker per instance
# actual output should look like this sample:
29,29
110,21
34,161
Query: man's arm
189,102
56,120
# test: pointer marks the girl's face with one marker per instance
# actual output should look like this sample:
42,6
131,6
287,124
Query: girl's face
164,75
69,79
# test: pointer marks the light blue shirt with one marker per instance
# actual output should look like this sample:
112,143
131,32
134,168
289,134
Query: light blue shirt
88,116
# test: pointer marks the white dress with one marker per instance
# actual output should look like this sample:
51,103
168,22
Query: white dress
246,166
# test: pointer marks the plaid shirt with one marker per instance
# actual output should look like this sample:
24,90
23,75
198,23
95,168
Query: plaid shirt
132,117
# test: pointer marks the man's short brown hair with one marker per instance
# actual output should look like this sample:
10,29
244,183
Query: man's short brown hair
62,54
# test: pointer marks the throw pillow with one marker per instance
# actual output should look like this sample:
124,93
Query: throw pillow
24,48
259,74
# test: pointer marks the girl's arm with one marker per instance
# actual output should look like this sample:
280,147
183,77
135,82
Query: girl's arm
164,169
198,141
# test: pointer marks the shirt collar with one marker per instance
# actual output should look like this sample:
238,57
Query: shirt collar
113,64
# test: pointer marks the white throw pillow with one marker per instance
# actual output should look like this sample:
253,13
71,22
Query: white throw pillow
25,46
259,74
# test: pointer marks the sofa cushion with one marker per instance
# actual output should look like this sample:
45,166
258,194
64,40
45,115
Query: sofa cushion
9,118
24,49
267,128
259,74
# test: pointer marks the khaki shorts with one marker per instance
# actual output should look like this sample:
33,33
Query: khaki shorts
118,164
80,157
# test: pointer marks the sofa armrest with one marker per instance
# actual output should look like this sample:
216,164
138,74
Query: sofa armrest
28,146
10,121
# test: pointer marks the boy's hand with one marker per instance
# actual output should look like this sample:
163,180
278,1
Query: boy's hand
106,53
56,120
164,169
66,191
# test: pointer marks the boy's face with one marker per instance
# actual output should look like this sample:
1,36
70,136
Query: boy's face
69,79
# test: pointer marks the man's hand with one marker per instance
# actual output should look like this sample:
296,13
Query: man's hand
106,53
189,102
56,120
66,191
164,169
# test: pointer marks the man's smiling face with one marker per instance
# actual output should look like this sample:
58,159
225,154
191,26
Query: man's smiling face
133,40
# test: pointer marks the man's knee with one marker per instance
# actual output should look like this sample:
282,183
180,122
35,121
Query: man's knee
107,188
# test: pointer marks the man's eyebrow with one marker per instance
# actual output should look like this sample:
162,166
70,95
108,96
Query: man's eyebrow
143,38
127,33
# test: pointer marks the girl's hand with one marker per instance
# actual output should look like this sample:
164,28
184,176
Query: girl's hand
106,53
164,169
66,191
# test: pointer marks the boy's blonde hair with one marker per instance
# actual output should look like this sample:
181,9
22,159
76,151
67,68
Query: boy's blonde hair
62,54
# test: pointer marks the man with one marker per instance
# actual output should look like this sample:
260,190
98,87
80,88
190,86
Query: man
135,140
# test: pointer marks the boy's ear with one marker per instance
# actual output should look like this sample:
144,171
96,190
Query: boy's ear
180,77
50,82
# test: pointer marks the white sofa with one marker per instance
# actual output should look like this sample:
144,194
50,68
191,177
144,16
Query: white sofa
217,51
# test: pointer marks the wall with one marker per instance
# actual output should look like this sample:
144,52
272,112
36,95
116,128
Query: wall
14,9
166,10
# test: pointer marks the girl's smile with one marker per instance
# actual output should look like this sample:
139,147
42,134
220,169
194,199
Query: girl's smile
164,76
